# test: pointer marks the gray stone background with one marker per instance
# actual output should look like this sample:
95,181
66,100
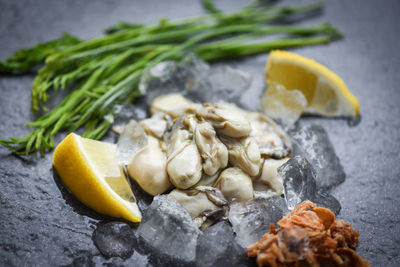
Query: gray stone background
41,224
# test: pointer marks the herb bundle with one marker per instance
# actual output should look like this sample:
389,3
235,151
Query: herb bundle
102,72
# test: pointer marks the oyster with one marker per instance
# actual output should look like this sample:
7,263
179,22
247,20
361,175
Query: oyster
208,180
191,122
157,125
183,158
244,153
202,202
227,119
269,178
271,139
175,105
235,185
148,168
213,152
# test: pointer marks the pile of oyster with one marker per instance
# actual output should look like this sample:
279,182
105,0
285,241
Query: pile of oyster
206,155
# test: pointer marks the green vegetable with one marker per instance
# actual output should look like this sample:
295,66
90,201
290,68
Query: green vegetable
102,72
210,6
25,59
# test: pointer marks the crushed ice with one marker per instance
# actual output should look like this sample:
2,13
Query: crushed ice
217,247
250,220
312,142
131,140
168,228
114,239
196,80
299,185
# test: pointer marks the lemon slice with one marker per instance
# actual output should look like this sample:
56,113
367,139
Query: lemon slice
325,92
90,171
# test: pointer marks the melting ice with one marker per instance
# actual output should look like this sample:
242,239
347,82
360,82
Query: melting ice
299,184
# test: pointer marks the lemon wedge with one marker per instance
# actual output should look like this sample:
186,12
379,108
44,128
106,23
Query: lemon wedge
325,92
90,171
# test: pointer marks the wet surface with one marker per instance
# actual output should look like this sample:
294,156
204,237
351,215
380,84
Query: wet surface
43,224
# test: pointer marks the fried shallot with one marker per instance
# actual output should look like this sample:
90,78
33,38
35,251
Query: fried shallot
308,236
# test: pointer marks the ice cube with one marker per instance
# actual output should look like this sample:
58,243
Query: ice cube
114,239
173,77
313,143
299,184
132,139
284,106
195,79
168,229
217,247
137,260
251,220
221,83
299,181
164,78
123,114
198,68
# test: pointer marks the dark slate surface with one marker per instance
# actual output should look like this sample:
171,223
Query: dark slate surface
41,224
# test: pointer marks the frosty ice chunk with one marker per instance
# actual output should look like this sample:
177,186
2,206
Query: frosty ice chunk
167,74
314,144
132,139
221,83
173,77
168,228
299,184
114,239
299,181
250,220
136,260
285,106
164,78
195,79
217,247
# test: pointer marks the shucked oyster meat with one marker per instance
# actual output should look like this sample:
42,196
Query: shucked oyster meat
148,168
209,150
271,139
244,153
183,158
269,178
227,119
235,184
204,203
213,152
157,125
174,105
